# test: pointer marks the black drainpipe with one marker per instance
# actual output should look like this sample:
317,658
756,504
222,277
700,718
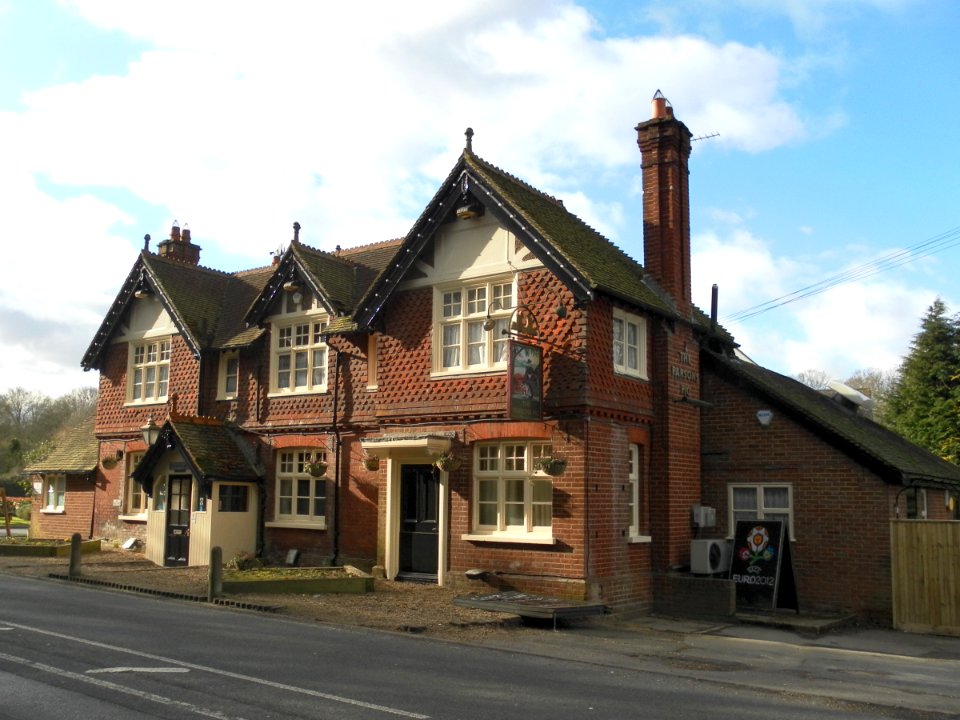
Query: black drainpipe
336,463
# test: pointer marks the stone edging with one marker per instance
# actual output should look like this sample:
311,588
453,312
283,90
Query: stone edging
168,594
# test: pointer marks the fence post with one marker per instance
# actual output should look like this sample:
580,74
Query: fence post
74,571
215,574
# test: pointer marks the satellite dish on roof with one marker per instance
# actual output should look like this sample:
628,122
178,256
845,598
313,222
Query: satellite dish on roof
854,396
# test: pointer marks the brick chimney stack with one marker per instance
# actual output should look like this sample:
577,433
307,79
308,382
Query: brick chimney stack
665,151
179,247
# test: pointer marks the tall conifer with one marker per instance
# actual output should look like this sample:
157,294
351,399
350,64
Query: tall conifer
925,404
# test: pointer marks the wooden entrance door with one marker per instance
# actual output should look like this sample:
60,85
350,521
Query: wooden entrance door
178,520
419,521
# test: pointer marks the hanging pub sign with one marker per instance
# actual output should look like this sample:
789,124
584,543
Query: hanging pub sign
525,381
762,569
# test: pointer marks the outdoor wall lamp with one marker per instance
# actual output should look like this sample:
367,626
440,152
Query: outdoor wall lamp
522,319
150,431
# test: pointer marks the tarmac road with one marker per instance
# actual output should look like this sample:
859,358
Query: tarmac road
72,652
882,673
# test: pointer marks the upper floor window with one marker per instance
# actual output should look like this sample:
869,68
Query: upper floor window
512,497
229,375
299,356
470,326
149,370
761,502
629,344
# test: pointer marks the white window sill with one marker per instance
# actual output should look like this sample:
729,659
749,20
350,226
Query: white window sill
510,538
639,539
138,517
226,398
295,393
472,372
297,525
52,511
631,375
144,403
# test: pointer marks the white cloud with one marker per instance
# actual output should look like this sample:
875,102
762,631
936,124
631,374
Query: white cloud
342,117
867,324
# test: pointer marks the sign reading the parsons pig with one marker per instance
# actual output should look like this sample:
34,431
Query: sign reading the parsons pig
525,381
762,569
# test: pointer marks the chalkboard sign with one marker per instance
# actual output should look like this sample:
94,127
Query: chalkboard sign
762,569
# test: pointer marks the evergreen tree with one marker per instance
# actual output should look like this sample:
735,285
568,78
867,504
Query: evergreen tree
925,404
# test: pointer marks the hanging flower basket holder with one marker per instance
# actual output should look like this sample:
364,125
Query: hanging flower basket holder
447,462
552,466
371,462
109,463
317,469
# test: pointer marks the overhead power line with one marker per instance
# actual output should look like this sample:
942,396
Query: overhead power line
931,246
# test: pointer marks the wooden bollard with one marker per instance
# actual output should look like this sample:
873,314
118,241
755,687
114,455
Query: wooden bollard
215,574
74,571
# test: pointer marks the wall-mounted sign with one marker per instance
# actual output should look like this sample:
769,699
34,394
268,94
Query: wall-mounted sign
525,381
762,570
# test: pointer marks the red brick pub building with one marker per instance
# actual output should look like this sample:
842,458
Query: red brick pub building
502,390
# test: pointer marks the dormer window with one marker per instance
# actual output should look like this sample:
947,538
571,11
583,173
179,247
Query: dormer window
298,357
461,341
148,371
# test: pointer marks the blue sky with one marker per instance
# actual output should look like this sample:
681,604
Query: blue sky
835,146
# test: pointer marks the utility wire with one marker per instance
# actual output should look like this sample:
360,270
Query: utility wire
937,243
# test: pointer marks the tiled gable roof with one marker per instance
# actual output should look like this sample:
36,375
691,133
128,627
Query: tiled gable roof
241,292
75,450
605,266
897,458
213,450
339,278
193,295
583,258
207,306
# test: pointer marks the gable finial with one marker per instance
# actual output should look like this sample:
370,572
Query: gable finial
469,134
296,231
146,242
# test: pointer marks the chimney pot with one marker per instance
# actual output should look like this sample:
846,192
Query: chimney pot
175,231
185,233
661,106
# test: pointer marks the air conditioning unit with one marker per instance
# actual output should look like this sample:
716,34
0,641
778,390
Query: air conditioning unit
709,557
